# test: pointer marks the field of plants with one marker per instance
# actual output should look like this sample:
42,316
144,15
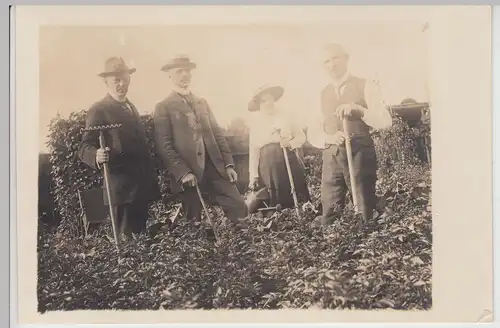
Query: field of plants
280,262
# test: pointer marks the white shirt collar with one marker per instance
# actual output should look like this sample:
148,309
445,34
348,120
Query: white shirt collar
338,82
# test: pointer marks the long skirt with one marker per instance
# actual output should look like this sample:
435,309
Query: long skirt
274,176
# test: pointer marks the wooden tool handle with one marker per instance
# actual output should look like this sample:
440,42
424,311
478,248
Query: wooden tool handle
350,165
108,193
292,185
102,140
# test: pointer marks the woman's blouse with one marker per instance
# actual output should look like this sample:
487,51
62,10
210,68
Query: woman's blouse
270,128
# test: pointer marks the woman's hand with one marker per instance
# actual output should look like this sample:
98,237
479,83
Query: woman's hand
254,184
285,143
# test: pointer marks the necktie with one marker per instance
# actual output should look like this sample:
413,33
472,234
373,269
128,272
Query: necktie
189,101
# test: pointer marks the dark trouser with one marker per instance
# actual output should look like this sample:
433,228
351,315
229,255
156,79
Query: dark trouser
336,179
132,217
225,193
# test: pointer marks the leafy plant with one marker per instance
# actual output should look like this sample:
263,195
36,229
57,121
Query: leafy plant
288,264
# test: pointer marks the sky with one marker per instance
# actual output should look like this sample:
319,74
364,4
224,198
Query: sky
232,62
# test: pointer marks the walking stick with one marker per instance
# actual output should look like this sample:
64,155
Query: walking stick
209,231
351,168
101,129
292,185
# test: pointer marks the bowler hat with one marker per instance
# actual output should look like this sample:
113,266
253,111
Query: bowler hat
179,61
275,90
115,66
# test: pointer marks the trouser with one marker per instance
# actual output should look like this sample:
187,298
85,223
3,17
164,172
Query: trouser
225,194
132,217
336,180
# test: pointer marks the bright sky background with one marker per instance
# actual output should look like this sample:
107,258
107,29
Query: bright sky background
232,61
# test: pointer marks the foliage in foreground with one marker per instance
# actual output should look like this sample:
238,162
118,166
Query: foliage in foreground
282,262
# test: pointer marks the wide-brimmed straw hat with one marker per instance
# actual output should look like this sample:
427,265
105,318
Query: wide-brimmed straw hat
275,90
115,66
179,61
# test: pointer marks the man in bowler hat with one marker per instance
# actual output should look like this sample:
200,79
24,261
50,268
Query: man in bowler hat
358,101
193,147
132,176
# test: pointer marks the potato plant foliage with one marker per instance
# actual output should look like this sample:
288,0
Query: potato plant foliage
279,262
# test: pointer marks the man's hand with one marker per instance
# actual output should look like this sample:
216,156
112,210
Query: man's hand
189,180
337,139
102,155
231,173
347,110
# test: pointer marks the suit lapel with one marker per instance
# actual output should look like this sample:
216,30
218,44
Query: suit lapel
123,108
191,103
198,107
180,101
134,110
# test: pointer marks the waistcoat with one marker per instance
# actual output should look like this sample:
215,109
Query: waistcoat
352,91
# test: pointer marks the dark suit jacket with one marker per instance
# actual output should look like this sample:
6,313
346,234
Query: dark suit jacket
183,135
132,176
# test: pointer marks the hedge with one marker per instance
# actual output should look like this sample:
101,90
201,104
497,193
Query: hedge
46,206
397,146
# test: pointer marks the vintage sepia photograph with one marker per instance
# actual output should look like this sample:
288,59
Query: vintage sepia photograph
223,167
252,164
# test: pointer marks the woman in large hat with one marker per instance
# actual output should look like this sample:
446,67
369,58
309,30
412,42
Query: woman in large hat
271,131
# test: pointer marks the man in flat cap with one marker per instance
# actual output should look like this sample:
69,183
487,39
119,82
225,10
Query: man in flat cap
358,101
193,147
132,176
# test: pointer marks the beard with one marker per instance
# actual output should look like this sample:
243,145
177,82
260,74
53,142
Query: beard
122,91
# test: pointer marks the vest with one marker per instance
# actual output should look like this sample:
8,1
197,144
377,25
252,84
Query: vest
353,92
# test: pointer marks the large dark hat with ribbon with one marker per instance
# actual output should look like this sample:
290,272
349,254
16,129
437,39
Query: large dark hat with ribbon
275,90
115,66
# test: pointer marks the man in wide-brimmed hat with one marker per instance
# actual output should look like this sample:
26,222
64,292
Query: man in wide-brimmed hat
193,147
132,176
358,100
